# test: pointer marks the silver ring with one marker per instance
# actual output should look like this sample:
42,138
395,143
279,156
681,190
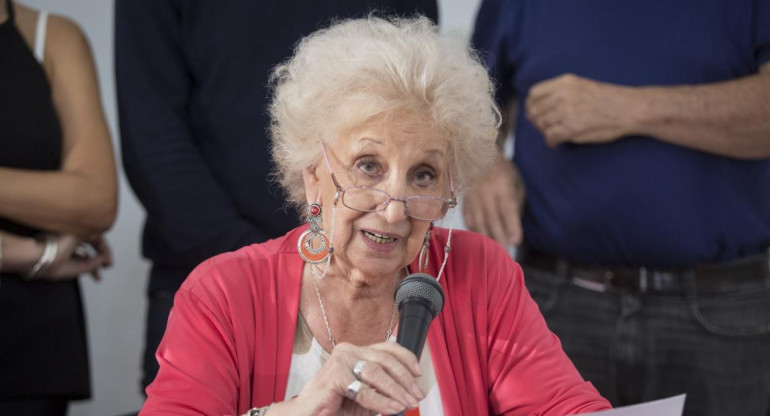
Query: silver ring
358,369
353,388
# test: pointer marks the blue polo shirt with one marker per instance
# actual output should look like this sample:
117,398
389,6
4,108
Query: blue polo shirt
636,201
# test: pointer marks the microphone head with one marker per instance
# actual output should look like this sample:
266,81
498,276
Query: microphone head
423,287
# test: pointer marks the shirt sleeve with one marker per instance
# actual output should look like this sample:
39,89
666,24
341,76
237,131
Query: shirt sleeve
529,372
198,371
495,22
164,165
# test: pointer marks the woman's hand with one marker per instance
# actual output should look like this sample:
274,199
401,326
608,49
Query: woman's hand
75,257
388,378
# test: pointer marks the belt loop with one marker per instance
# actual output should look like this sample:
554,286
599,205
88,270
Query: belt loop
767,255
690,286
643,279
562,270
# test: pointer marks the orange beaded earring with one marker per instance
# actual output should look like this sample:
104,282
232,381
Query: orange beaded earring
313,244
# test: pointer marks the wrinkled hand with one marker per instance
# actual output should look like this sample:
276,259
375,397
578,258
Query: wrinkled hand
494,207
389,378
574,109
75,257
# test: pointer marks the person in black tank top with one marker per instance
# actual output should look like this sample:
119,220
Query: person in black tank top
58,195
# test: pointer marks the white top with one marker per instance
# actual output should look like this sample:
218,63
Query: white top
42,23
308,357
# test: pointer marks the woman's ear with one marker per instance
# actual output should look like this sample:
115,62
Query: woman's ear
312,184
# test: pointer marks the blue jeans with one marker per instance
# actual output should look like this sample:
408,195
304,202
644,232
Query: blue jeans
638,347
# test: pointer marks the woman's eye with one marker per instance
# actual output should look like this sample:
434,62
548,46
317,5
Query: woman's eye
425,177
369,167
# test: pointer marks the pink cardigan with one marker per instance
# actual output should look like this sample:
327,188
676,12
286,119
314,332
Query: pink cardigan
230,334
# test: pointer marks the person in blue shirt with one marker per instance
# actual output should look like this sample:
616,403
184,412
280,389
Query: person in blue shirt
642,145
192,81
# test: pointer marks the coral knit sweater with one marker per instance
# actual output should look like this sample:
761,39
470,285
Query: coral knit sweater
229,339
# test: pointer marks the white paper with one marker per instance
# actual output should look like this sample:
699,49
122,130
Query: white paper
672,406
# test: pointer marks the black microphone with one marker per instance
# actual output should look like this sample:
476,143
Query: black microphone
419,298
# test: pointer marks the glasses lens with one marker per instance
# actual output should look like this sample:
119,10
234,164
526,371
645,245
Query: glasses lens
426,207
365,199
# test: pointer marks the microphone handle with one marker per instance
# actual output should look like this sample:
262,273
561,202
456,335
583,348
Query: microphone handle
413,326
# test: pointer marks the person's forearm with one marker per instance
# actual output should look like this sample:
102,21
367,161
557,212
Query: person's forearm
729,118
19,253
62,202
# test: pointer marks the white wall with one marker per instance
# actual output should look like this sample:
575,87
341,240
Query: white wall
116,306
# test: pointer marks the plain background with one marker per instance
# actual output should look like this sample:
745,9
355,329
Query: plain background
115,307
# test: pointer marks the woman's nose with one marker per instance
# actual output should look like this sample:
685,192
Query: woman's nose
395,211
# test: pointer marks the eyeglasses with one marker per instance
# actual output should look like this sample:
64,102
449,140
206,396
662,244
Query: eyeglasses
367,199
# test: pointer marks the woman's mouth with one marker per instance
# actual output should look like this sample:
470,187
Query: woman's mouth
377,238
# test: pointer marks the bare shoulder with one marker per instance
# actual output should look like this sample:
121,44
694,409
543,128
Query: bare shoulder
64,39
59,28
64,36
66,46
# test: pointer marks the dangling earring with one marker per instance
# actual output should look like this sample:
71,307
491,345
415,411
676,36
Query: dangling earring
424,252
309,253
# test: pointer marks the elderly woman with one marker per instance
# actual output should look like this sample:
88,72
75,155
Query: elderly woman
377,125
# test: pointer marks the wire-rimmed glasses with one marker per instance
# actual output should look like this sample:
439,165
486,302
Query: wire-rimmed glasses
368,199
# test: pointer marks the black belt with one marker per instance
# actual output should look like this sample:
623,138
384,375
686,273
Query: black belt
707,278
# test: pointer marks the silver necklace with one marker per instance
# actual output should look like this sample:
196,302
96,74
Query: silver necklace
326,320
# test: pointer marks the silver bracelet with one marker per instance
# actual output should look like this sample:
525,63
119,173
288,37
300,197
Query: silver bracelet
49,254
259,411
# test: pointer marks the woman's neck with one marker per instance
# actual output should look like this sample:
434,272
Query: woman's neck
354,287
358,310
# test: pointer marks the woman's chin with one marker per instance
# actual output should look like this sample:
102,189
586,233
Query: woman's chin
373,266
373,263
375,259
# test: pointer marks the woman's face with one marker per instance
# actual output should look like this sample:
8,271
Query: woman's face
402,158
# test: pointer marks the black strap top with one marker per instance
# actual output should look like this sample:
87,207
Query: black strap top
30,133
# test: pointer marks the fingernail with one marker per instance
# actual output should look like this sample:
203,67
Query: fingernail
412,401
395,407
417,391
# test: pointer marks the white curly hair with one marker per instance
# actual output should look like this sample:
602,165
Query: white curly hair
360,70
